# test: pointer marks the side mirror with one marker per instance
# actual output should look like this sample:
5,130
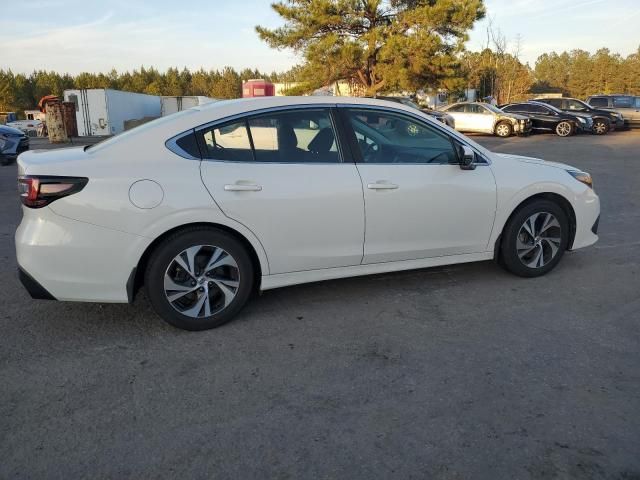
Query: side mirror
467,158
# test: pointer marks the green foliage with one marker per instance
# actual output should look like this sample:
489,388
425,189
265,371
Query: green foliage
19,92
500,75
377,44
580,74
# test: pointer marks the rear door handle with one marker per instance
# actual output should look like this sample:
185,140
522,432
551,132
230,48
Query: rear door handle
243,187
382,186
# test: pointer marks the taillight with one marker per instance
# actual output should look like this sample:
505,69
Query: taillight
38,191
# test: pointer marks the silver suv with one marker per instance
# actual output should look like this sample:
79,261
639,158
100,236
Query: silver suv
627,105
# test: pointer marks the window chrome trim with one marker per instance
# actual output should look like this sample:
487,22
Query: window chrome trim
172,145
436,124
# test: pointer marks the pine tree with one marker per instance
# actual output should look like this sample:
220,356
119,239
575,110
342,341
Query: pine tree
392,44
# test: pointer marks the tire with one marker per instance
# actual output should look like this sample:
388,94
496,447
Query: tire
529,255
503,129
201,299
564,129
600,127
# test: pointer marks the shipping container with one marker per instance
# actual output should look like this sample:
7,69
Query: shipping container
171,105
258,88
102,111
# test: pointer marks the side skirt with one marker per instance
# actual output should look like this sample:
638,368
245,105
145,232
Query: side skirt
294,278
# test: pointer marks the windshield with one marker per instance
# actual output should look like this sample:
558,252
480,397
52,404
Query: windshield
493,108
578,105
409,103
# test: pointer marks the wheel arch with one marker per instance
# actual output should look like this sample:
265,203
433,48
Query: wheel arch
136,279
554,197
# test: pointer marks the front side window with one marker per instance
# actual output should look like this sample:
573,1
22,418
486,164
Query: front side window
575,105
394,138
297,136
475,108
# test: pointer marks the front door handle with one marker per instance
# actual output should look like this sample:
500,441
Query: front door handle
382,186
243,187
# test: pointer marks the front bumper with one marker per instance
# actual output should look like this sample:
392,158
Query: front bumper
587,212
522,127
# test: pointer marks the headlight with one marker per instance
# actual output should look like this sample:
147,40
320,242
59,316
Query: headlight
583,177
581,120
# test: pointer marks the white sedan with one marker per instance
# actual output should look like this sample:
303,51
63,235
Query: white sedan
205,206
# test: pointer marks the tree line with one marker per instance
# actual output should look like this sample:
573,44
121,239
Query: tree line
19,92
492,71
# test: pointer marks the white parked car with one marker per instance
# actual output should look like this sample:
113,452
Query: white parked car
206,206
478,117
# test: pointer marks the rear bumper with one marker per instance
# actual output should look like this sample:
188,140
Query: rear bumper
36,290
67,259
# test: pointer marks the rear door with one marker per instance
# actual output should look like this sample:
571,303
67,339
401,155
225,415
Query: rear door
282,175
626,105
461,117
418,202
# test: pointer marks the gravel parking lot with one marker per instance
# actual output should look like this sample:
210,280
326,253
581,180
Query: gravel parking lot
450,373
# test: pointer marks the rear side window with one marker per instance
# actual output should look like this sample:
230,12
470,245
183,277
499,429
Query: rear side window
623,102
556,102
456,108
189,144
297,136
521,107
228,142
599,102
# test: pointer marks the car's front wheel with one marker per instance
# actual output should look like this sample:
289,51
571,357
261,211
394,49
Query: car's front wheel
535,238
600,127
199,278
504,129
564,129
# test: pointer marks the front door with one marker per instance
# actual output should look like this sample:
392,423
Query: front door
418,202
281,175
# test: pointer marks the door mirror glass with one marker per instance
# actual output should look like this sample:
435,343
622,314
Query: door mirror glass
467,157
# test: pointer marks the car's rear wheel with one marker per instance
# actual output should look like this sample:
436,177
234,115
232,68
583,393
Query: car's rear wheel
199,278
564,129
504,129
600,127
535,238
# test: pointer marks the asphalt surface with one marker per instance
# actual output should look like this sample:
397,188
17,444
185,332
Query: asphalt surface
463,372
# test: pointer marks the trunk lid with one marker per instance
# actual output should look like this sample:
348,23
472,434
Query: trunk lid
59,161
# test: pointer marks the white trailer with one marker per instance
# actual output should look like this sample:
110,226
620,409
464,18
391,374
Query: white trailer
102,111
177,104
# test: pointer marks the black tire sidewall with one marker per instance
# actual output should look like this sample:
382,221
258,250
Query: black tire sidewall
172,246
508,249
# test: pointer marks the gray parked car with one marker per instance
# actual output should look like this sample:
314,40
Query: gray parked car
12,143
627,105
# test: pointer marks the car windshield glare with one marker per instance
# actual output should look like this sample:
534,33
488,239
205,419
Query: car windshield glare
493,108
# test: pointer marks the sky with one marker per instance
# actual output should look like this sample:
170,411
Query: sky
90,35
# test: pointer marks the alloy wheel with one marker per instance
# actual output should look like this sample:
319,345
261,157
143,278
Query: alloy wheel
539,240
600,128
201,281
502,130
563,129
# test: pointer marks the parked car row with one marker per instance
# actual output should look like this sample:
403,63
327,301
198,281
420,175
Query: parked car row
599,115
